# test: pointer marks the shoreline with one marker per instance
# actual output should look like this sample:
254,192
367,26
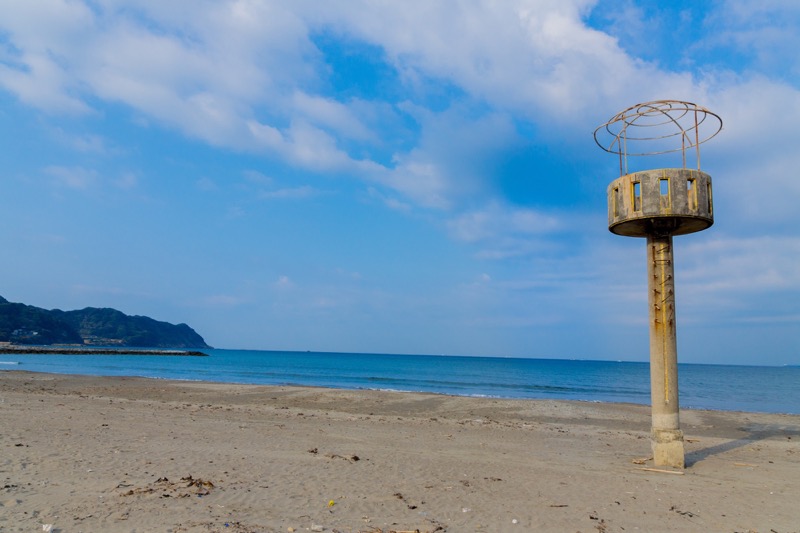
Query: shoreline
6,366
123,453
766,390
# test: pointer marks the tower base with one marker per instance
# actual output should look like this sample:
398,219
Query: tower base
667,445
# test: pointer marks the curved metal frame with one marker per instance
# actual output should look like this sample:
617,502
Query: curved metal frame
668,119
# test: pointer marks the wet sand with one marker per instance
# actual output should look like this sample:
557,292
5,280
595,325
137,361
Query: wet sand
129,454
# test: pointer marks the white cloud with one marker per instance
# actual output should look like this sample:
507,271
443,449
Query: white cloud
502,231
257,177
753,161
235,211
34,62
452,159
336,116
309,147
265,135
764,34
535,58
223,300
284,283
389,201
423,182
312,147
732,266
349,275
265,187
495,220
102,290
206,185
89,143
73,177
127,181
290,193
245,74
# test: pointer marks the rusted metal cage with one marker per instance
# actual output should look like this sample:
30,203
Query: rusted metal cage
658,127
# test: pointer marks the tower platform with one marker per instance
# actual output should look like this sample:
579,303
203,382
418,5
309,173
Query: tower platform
667,201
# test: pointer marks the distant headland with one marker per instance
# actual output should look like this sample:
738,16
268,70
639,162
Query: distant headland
25,327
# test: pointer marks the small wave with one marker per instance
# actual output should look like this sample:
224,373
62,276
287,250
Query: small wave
166,378
385,389
9,362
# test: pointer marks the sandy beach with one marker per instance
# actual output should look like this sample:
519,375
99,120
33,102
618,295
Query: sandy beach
108,454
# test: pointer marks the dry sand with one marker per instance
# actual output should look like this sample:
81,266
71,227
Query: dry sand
128,454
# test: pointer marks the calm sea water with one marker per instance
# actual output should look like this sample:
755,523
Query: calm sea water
721,387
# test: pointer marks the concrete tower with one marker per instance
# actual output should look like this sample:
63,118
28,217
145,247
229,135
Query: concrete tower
658,204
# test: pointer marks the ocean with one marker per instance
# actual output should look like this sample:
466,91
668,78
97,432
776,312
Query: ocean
719,387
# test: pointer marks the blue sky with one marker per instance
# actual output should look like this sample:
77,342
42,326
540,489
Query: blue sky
402,177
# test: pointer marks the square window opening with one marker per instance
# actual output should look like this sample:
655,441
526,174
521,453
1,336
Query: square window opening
691,190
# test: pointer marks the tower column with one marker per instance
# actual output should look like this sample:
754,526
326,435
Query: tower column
666,435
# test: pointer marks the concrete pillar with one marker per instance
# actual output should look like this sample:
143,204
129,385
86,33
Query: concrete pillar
659,204
666,435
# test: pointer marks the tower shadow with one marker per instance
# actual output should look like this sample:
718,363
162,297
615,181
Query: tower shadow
755,433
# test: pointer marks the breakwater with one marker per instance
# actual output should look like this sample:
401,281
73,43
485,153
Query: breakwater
78,350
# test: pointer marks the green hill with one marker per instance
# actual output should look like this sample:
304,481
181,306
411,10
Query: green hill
26,324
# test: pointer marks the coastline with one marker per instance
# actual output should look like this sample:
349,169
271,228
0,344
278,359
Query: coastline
118,454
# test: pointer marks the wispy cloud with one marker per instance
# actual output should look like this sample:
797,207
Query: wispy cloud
73,177
224,300
283,283
294,193
127,181
206,184
502,231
